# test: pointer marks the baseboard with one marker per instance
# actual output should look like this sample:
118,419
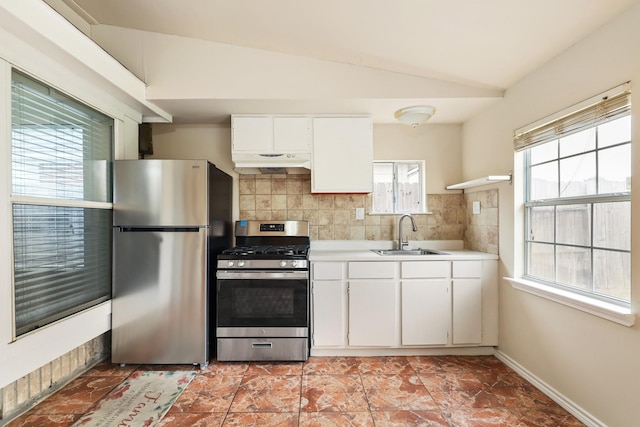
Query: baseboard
574,409
386,351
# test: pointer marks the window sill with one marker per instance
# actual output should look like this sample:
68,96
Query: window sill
602,309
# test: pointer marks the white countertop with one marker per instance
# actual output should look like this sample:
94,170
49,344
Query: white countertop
362,251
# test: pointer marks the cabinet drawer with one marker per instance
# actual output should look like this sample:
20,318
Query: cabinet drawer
467,268
425,269
327,270
372,270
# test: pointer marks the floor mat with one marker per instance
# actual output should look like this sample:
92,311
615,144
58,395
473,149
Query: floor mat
141,400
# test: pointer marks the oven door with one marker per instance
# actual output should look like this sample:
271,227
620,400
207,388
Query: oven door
271,303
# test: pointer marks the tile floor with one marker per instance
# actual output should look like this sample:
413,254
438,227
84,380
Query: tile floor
330,391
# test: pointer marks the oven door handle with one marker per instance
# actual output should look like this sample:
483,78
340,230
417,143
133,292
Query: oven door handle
283,275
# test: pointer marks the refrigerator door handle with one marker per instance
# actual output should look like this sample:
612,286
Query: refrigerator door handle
194,229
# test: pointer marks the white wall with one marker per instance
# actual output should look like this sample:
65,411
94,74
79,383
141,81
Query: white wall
593,362
210,142
439,145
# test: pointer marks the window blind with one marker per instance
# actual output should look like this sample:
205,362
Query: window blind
60,148
61,151
61,262
585,118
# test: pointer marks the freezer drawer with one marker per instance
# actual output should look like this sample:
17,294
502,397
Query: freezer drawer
160,297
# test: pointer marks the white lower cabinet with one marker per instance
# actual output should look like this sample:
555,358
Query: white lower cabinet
372,313
426,302
329,304
372,303
404,304
329,301
467,302
426,309
467,311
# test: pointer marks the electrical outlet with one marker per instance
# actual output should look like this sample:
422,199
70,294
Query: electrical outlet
476,208
359,213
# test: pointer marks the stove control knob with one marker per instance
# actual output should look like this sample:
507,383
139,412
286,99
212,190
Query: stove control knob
294,263
240,263
283,263
230,263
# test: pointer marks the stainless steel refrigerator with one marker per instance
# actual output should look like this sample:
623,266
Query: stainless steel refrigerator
171,219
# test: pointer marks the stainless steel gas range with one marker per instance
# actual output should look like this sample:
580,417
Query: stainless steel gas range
262,301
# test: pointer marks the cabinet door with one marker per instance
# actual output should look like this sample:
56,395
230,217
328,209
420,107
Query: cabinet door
252,134
328,324
342,155
467,311
292,134
372,313
426,308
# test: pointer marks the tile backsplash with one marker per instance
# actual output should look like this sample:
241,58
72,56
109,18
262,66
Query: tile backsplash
481,232
333,216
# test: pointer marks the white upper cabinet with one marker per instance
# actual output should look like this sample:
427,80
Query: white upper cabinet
292,134
340,148
252,134
271,134
342,160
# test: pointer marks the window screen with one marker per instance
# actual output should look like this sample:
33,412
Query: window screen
398,187
59,262
61,189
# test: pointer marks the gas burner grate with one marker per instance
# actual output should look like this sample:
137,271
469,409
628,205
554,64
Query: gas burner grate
256,251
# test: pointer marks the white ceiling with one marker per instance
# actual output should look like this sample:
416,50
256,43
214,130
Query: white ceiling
487,44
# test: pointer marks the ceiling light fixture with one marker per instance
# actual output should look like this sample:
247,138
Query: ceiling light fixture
416,115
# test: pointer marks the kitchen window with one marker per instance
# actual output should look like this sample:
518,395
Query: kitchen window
577,201
398,187
61,152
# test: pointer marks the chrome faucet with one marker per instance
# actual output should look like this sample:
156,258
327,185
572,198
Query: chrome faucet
402,243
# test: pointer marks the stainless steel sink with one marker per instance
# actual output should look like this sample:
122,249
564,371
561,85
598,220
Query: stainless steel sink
407,252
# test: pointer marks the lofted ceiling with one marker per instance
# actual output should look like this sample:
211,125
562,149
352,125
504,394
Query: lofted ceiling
484,46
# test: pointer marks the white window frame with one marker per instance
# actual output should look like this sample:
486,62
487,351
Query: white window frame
423,196
607,308
51,201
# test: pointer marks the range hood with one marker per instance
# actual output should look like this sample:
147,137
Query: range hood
272,163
